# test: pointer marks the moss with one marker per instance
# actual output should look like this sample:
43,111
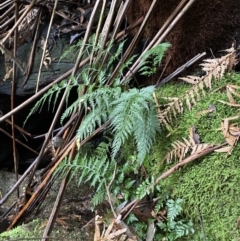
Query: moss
210,185
25,231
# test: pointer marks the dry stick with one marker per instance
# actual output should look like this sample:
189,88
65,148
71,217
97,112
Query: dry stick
9,54
6,13
86,36
180,69
96,38
162,33
175,168
5,4
46,43
10,20
72,119
29,148
164,69
30,61
59,198
15,159
166,24
120,18
108,190
108,23
20,129
129,28
4,199
19,21
134,42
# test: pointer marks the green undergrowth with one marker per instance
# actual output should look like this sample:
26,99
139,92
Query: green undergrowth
28,231
209,185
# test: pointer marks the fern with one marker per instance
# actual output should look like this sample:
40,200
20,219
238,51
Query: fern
145,188
92,169
175,228
99,196
52,92
151,59
134,115
131,114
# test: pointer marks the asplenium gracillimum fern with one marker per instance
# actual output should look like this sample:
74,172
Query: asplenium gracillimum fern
130,113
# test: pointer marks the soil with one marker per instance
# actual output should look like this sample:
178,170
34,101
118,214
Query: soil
75,218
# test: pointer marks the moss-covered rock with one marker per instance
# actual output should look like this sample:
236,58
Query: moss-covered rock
209,185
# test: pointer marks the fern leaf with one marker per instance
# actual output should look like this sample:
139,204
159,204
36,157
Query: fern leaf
132,114
157,54
213,68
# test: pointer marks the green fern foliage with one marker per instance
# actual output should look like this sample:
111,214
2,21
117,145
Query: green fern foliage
175,227
129,116
92,169
145,188
151,59
134,115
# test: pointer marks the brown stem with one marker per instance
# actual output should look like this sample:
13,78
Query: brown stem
58,201
15,159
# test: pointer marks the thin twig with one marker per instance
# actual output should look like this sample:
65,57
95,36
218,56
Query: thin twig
201,222
46,44
180,69
108,190
15,159
30,61
58,201
21,143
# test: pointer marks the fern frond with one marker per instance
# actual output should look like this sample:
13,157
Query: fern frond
145,188
145,132
131,115
151,59
173,208
183,148
99,101
99,196
92,169
230,133
214,68
53,92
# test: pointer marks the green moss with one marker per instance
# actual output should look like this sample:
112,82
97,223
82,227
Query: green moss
23,232
210,185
